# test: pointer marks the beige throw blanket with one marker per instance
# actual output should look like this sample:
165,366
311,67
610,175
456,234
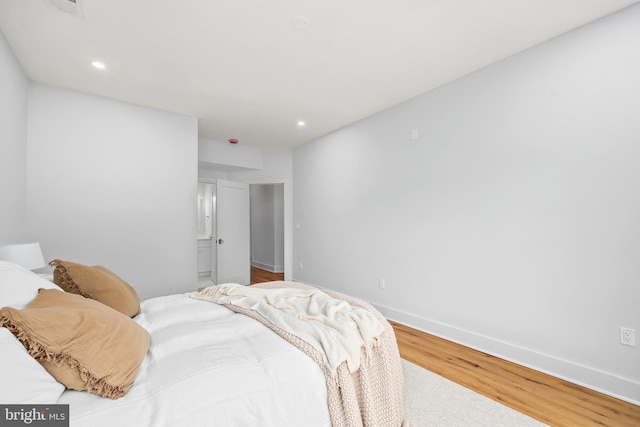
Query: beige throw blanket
332,326
362,391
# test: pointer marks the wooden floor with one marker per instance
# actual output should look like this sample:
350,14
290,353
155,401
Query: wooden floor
543,397
259,275
548,399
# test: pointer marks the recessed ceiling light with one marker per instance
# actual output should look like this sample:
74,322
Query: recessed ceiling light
301,123
300,23
99,65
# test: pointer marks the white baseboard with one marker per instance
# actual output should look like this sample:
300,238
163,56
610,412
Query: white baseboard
603,382
269,267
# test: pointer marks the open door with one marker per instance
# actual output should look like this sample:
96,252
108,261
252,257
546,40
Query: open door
233,224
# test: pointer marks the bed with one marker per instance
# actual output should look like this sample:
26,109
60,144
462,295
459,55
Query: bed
204,364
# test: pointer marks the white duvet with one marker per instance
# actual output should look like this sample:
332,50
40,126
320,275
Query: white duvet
208,366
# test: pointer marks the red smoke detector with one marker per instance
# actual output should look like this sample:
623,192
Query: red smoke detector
233,141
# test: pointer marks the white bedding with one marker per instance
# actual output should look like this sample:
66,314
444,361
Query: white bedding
337,330
208,366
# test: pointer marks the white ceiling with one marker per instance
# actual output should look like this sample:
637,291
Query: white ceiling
246,72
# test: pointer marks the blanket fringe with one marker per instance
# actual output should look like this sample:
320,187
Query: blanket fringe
41,354
66,282
370,351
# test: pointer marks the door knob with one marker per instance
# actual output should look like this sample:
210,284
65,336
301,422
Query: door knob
220,241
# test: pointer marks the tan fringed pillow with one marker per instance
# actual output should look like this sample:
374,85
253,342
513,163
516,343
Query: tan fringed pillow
97,283
84,344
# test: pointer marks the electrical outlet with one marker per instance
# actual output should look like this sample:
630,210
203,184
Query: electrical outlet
627,336
300,266
381,283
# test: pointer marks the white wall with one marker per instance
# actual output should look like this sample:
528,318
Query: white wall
222,155
262,222
13,143
114,184
512,223
206,174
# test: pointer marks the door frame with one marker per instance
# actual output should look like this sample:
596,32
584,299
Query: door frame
288,220
280,186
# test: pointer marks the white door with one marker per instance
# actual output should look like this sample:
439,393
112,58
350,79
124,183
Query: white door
233,236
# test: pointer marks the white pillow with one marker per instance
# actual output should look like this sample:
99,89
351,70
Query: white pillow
19,286
23,379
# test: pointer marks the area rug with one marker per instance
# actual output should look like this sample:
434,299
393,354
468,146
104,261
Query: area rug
434,401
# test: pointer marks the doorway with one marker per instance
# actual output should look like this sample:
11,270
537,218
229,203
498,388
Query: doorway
267,228
223,232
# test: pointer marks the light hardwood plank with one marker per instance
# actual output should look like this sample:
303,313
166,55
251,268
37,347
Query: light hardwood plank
259,275
541,396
